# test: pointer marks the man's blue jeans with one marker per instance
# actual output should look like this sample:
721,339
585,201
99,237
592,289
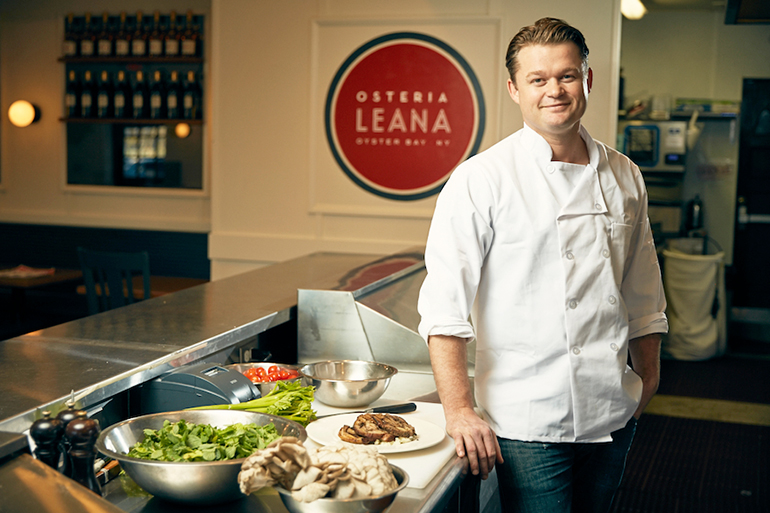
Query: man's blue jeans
562,477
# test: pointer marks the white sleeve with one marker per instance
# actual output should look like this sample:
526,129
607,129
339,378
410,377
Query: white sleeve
459,238
642,286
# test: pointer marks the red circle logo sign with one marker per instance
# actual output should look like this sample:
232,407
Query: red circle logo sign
402,112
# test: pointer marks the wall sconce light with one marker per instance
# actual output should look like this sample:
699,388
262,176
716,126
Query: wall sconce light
182,130
22,113
633,9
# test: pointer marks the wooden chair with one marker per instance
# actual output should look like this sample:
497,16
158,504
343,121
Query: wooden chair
109,277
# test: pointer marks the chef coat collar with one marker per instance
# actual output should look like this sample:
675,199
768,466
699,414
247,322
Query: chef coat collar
587,197
543,152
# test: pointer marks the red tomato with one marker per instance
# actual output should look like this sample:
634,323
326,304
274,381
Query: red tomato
261,372
273,369
284,374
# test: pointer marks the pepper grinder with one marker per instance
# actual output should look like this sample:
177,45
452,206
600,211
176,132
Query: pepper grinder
82,433
47,434
67,416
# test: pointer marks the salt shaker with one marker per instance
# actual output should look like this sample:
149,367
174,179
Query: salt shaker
67,416
82,434
47,434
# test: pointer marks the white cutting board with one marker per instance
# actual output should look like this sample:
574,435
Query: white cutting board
423,465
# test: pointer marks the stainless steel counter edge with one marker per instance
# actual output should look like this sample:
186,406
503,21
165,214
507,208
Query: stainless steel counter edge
101,355
441,490
107,388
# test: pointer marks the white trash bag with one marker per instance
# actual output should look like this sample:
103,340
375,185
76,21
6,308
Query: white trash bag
695,292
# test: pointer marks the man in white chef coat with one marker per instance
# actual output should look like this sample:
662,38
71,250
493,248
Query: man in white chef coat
543,241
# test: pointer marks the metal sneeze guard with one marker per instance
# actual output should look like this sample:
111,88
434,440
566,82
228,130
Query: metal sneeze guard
376,322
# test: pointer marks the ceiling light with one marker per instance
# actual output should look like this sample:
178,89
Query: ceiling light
632,9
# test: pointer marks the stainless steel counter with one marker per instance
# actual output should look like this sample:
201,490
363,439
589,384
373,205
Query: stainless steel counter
105,354
99,357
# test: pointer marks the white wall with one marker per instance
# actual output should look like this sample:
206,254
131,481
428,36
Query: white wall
257,204
264,105
33,160
695,55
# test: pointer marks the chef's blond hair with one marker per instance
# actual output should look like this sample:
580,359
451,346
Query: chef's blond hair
545,31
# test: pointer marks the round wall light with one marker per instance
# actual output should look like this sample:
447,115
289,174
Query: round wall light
22,113
182,130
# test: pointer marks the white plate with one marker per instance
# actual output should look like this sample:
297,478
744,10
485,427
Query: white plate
326,432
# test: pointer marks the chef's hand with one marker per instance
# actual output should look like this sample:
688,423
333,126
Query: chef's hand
473,437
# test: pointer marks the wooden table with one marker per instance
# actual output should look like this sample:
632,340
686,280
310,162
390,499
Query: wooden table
58,276
159,285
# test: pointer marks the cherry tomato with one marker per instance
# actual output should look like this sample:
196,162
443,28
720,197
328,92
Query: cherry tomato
273,369
283,374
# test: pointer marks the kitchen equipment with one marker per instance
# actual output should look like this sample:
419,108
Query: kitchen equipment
694,217
264,388
655,145
393,408
348,383
201,384
189,482
325,505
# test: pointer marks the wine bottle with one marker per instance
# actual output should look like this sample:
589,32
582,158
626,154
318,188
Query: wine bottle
123,38
156,38
173,97
88,96
104,41
172,37
72,95
189,39
104,97
121,100
139,38
198,35
70,44
140,97
192,98
87,38
157,97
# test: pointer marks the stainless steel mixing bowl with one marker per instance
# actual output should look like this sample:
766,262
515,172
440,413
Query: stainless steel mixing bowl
190,482
367,505
348,383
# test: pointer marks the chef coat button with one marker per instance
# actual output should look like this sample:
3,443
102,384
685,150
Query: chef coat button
551,169
575,350
612,300
598,206
573,304
569,255
606,253
614,346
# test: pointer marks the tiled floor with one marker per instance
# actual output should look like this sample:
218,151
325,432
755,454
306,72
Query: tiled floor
704,443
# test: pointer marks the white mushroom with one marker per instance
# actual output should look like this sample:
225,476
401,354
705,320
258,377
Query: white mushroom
343,471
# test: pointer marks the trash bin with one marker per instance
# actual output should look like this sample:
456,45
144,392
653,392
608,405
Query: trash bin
695,292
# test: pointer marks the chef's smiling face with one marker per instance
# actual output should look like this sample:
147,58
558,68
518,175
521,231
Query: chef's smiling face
551,88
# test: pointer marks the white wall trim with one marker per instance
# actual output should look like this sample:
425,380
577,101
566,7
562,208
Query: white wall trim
371,211
104,221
